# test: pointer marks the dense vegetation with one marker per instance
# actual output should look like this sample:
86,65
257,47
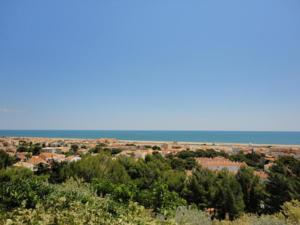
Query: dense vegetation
105,189
6,160
253,159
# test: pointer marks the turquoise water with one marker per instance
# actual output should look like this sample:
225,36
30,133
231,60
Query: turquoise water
192,136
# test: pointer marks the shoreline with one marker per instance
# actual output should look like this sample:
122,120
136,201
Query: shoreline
225,144
212,143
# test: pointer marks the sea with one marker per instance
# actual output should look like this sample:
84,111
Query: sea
245,137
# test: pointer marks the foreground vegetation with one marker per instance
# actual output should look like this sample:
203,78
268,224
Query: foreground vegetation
105,189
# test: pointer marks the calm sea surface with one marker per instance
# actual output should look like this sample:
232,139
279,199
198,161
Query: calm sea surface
192,136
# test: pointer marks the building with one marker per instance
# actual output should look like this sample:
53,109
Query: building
36,161
261,174
49,150
52,157
220,163
25,165
73,158
268,166
23,156
164,147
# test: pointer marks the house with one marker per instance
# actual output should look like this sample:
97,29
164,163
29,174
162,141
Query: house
73,158
82,151
107,141
168,152
56,144
36,161
137,154
164,147
268,166
51,157
24,165
141,154
23,156
220,163
261,174
236,150
49,150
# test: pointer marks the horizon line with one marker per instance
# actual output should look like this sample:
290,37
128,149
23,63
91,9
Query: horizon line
149,130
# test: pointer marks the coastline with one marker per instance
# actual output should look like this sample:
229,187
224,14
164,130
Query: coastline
228,144
153,142
192,137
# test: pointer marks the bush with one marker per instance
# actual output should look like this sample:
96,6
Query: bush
291,210
19,187
6,160
160,199
191,216
100,166
74,203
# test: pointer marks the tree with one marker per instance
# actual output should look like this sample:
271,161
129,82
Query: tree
115,151
6,160
251,159
97,149
20,187
157,148
159,198
59,172
201,188
254,190
74,149
178,163
36,149
186,154
42,169
229,197
174,179
284,182
23,148
99,166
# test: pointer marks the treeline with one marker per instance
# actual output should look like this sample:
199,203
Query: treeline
253,159
160,184
163,184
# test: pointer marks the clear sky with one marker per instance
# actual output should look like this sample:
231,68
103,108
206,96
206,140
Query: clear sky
159,64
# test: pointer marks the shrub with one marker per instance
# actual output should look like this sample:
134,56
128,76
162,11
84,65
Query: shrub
19,187
191,216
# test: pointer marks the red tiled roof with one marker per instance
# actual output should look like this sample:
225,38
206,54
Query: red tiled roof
47,155
261,174
218,161
35,160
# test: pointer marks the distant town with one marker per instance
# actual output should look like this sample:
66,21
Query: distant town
34,152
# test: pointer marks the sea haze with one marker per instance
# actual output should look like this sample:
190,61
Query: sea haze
255,137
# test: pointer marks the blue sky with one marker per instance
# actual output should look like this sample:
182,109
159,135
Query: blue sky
183,65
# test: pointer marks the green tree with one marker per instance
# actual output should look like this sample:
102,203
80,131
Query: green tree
284,182
60,172
100,166
229,197
21,187
6,160
74,148
155,147
201,188
159,198
174,179
36,149
251,159
178,163
254,190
